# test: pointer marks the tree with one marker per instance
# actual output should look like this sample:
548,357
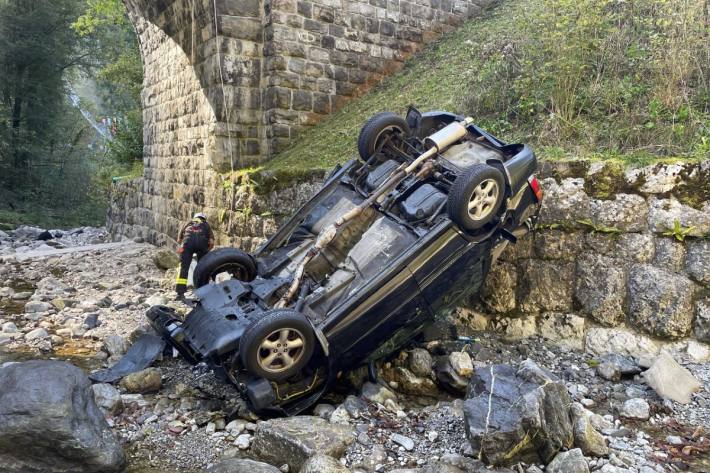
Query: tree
37,49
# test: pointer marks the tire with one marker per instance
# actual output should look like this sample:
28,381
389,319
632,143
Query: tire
376,129
267,334
476,196
234,261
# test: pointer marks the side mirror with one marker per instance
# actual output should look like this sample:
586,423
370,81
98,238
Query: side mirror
414,119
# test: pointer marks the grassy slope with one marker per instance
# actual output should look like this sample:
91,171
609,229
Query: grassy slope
512,68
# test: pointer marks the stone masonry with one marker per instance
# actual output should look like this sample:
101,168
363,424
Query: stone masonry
604,264
227,83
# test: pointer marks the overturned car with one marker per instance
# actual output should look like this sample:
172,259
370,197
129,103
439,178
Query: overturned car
388,242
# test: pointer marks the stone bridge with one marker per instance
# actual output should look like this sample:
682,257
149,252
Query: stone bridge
256,69
227,82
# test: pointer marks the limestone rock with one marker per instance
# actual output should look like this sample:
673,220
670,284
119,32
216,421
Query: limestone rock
701,329
636,408
624,365
601,288
115,345
585,435
165,259
670,254
447,377
698,352
663,213
461,363
670,380
657,178
638,247
33,307
557,244
323,464
36,334
156,299
324,411
627,212
609,371
143,381
602,341
420,362
697,263
546,286
240,465
377,393
409,383
293,440
498,290
515,328
517,414
107,398
564,202
563,330
50,423
660,302
571,461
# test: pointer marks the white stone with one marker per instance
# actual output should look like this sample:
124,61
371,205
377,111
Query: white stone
243,441
36,334
563,330
602,341
636,409
699,352
461,363
670,380
9,327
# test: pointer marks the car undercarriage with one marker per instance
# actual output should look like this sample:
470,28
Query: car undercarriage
386,244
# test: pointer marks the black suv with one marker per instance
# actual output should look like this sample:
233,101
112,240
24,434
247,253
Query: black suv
364,265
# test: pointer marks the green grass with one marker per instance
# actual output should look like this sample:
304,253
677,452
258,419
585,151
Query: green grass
585,78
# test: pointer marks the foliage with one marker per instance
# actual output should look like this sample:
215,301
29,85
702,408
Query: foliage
595,228
51,167
678,231
100,13
595,78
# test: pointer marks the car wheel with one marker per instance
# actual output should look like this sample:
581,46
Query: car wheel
278,345
231,262
377,129
476,196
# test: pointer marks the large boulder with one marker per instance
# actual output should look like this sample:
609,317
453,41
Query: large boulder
293,440
517,414
49,422
660,302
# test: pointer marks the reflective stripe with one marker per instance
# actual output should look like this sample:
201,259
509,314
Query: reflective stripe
180,280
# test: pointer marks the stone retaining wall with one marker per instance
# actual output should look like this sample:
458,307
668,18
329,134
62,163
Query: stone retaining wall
603,264
606,261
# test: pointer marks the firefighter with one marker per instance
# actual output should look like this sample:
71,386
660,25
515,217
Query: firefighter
195,238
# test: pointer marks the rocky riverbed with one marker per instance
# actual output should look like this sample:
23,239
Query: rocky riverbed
432,410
